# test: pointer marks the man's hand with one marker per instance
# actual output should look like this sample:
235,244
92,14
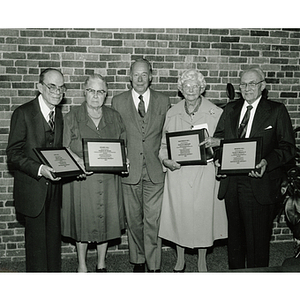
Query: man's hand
171,164
217,164
211,142
262,166
128,166
49,173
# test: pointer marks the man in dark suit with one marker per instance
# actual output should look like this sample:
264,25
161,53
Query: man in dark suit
143,112
252,200
37,192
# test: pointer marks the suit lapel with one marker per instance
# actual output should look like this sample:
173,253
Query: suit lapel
132,110
235,116
262,113
38,122
58,127
152,110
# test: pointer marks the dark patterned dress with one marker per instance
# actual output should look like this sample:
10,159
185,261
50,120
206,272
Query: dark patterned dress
92,209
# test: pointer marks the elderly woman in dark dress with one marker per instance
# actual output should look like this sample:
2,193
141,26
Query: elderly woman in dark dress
92,209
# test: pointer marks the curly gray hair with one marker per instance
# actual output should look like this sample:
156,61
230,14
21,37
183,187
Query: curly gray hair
93,77
191,74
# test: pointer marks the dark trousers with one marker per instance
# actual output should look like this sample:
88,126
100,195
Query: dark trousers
43,235
249,226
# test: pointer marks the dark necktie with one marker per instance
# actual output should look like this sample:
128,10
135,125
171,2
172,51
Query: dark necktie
141,107
243,126
51,119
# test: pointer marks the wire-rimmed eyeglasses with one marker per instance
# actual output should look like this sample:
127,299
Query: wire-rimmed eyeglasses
251,85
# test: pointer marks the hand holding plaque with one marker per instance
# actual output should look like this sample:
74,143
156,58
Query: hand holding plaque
240,156
183,147
104,155
61,160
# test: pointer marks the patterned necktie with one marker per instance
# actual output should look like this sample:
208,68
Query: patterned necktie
243,126
51,119
141,107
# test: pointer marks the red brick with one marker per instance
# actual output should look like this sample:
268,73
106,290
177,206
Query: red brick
179,44
200,45
55,33
76,49
145,36
24,48
110,43
78,34
123,36
167,37
259,33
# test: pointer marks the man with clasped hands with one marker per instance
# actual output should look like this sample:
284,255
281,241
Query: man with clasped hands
143,111
251,200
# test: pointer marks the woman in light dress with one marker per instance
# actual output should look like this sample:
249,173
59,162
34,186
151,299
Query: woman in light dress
192,216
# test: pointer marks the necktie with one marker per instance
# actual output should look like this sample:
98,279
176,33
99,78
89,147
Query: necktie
51,119
141,107
243,126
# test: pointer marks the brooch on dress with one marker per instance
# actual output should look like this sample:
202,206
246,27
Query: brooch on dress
211,111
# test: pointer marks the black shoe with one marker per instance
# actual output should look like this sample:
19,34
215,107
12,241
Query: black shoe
154,271
139,268
102,270
179,271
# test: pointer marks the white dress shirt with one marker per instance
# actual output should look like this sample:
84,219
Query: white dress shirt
252,113
44,108
136,100
45,111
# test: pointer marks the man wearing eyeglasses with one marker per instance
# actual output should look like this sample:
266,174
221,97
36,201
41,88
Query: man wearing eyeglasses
37,192
252,199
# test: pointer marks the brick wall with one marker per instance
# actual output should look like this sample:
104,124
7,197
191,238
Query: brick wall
220,54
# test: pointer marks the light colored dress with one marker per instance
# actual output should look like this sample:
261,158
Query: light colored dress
192,216
92,209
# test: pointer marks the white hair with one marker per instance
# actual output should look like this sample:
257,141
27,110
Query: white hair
257,70
191,74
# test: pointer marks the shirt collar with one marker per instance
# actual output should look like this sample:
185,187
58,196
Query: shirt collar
146,98
254,104
145,95
44,107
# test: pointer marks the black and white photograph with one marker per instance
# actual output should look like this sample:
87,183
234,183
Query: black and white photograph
104,164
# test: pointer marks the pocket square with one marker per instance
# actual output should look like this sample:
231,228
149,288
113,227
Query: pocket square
269,127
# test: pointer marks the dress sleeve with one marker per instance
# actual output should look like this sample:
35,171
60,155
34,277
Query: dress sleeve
67,130
163,152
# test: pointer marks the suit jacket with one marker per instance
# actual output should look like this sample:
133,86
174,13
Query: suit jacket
139,145
273,124
26,133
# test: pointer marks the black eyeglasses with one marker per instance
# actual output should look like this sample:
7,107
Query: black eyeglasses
251,85
53,88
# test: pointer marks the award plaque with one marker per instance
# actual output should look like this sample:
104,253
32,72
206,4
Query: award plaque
183,147
240,156
104,155
61,160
